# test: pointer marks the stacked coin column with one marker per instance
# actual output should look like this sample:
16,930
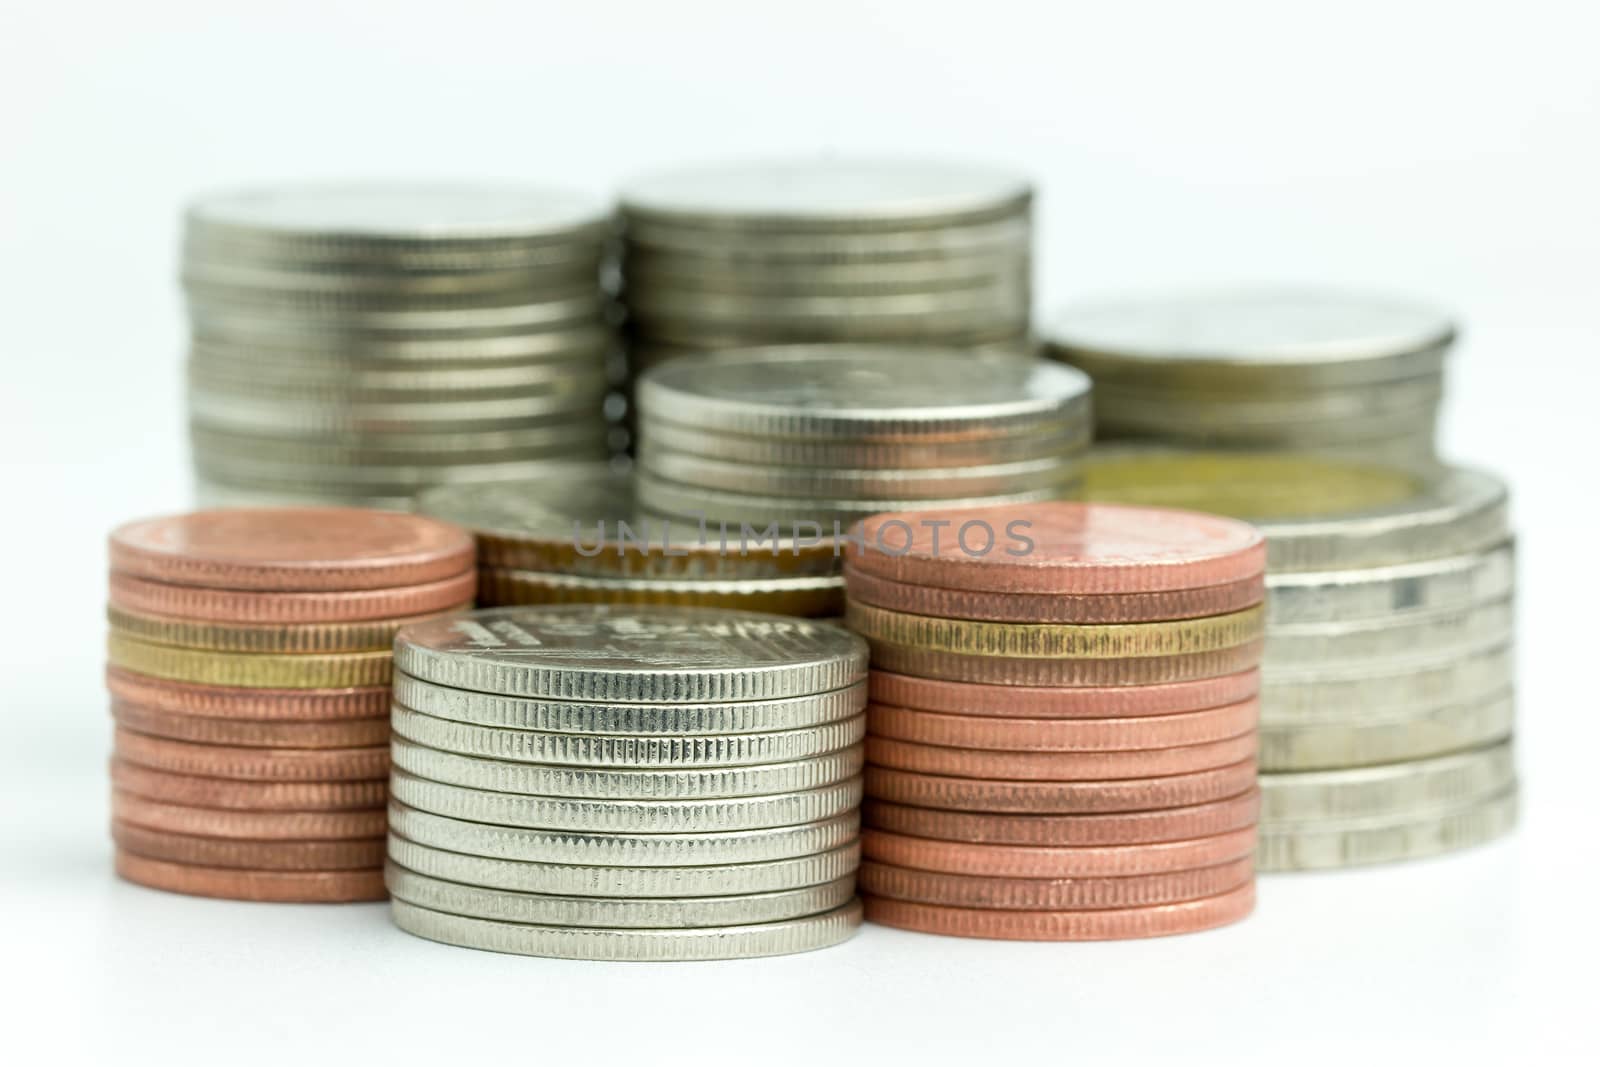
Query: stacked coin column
826,250
1300,370
627,784
1062,733
353,344
832,434
250,662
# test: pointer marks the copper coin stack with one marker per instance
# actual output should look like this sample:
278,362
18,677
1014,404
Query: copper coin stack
250,659
1062,728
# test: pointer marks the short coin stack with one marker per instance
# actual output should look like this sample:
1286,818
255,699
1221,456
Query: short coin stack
1300,370
1387,702
827,250
575,535
352,344
627,783
250,662
1062,733
831,434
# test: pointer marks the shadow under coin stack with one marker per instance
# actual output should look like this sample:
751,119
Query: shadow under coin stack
250,662
627,783
832,434
1387,703
827,250
1062,733
1269,369
352,344
574,535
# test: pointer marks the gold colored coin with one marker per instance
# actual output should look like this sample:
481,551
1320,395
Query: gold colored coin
376,635
802,595
249,669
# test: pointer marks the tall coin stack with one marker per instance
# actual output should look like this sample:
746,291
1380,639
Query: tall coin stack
1387,704
352,344
1269,369
250,661
627,783
827,250
575,535
832,434
1062,733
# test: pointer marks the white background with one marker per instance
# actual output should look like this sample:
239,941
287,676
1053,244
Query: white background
1451,150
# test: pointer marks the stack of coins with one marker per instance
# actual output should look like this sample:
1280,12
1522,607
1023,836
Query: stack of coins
1062,733
575,535
352,344
827,250
627,783
250,661
1308,371
831,434
1387,702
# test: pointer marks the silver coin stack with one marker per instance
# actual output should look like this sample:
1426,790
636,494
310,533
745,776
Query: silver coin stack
829,434
1311,371
627,783
827,250
575,535
1387,704
354,343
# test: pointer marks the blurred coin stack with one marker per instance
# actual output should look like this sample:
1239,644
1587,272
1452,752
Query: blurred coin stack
249,669
352,344
1062,728
575,535
1387,703
832,434
828,250
1272,369
627,783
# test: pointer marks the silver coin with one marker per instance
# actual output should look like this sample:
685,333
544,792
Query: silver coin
1389,790
623,850
915,329
209,494
1253,338
266,322
1403,638
206,363
599,943
647,352
626,750
681,271
1319,846
554,380
626,816
632,654
243,411
503,905
696,244
1359,739
627,882
807,596
1199,408
386,480
1322,692
1309,435
1020,476
987,297
230,269
378,450
1392,592
521,713
309,347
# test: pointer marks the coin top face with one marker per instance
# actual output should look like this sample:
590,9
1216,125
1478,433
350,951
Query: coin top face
1060,547
1267,325
402,212
863,384
286,549
826,191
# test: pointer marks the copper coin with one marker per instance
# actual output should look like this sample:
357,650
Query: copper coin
1125,828
253,855
1054,607
235,702
254,764
251,733
248,825
1111,924
1062,798
1012,670
1059,766
1062,735
199,792
231,605
1051,894
1059,547
1034,861
1061,702
309,887
285,549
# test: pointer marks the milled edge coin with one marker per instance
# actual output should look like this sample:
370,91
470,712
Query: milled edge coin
251,733
1059,766
1361,741
1388,790
1034,861
1108,924
254,796
1060,798
355,824
320,887
1051,894
1062,735
1121,828
300,670
1321,845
